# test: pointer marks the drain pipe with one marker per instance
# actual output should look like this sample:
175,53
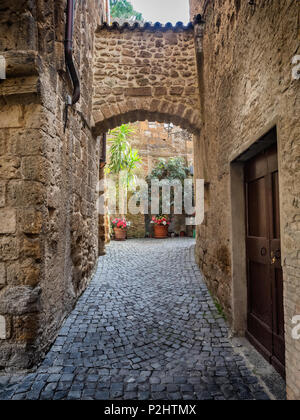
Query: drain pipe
103,151
69,51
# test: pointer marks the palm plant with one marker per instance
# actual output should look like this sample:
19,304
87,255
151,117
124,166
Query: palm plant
119,148
122,157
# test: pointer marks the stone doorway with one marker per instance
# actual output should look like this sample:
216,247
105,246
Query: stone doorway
246,318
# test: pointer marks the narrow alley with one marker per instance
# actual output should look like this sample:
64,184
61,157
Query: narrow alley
146,328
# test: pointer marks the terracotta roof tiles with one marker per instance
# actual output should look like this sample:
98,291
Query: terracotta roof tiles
157,26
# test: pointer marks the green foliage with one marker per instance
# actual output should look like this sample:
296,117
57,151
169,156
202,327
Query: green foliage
220,309
119,148
121,155
123,9
174,168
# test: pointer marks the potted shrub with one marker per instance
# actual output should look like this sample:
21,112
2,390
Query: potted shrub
161,225
120,229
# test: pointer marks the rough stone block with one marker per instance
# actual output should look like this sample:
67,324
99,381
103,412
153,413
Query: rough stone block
17,86
3,141
160,91
20,300
25,193
8,220
9,167
2,275
25,328
27,273
2,328
33,168
123,107
171,38
31,221
16,356
2,193
176,90
128,53
25,142
107,111
21,63
9,248
154,105
145,54
32,116
141,91
31,248
11,116
126,61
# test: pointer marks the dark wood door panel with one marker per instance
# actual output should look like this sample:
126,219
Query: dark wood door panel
260,336
258,250
257,208
265,327
260,293
272,159
257,170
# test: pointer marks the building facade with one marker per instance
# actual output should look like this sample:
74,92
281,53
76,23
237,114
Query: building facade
250,140
229,79
48,174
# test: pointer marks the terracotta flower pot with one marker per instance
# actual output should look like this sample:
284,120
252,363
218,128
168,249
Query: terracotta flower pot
160,231
120,234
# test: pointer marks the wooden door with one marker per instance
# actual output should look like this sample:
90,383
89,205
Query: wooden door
265,327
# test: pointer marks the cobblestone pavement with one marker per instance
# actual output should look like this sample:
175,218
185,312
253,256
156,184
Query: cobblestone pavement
146,328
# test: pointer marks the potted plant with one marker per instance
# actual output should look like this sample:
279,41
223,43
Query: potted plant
120,229
161,225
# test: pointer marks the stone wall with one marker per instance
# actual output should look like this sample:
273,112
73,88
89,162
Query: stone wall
248,89
156,140
48,173
145,73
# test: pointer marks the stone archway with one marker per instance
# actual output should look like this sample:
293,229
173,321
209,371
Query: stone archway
145,73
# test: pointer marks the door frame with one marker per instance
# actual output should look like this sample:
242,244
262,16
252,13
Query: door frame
250,148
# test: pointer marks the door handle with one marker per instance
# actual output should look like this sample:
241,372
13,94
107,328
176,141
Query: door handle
275,256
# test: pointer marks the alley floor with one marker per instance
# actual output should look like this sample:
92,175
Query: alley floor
146,328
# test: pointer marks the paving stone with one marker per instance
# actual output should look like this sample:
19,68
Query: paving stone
74,395
143,329
144,395
60,395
